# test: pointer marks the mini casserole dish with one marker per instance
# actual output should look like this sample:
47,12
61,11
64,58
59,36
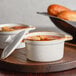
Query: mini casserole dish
45,49
9,31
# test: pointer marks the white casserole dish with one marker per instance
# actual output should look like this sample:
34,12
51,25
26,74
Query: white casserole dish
45,51
7,36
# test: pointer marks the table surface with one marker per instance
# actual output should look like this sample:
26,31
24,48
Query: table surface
17,62
71,72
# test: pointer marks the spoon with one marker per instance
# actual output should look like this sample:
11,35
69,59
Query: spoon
72,23
12,46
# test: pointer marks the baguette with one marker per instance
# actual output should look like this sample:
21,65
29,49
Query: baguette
55,9
67,15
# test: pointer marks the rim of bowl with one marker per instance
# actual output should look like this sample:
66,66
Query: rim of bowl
13,24
46,42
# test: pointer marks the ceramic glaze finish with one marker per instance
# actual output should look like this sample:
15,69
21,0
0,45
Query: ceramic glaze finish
45,51
8,37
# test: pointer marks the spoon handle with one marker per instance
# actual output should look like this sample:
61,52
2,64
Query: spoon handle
71,23
12,46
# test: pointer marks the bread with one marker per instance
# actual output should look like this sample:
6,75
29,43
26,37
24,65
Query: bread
67,15
55,9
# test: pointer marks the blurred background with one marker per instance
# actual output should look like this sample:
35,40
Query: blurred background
24,11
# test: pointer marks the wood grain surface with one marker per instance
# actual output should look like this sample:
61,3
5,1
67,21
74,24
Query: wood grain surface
71,72
18,62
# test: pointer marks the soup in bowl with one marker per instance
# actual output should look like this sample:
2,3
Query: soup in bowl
45,46
9,31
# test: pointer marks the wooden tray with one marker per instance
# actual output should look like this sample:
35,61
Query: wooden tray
18,62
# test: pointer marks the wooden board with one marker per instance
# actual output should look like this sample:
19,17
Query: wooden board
18,62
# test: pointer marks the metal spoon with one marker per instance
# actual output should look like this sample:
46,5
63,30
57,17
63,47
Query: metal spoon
12,46
72,23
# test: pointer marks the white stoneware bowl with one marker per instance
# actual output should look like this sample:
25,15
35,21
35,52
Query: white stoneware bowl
45,51
7,37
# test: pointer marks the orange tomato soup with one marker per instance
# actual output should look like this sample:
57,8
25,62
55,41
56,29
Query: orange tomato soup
7,28
43,38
